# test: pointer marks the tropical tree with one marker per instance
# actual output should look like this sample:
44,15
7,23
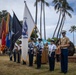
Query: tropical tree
47,4
34,35
3,13
64,8
43,2
57,7
65,11
36,4
72,30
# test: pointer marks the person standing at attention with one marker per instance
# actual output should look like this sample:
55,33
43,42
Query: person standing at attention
31,51
64,43
39,53
51,55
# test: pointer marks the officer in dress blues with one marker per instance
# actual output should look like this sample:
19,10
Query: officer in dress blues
51,55
64,43
31,51
39,53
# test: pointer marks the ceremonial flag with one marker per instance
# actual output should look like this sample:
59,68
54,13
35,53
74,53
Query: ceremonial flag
7,23
0,31
16,30
3,33
8,40
16,27
8,30
28,26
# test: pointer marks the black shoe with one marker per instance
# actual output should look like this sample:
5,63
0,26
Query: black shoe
18,62
51,70
61,72
38,68
24,63
65,72
30,65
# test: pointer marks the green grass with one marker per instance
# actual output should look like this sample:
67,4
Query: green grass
11,68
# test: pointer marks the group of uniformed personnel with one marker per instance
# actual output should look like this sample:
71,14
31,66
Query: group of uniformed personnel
63,47
39,47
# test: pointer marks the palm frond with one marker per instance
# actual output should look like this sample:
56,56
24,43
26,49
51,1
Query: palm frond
70,8
47,4
68,13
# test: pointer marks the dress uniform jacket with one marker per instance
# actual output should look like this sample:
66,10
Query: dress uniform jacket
51,56
64,54
39,54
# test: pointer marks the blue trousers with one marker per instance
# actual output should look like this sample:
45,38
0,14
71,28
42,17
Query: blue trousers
64,60
30,58
14,56
19,56
39,59
52,61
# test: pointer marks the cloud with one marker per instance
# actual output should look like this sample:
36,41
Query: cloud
51,16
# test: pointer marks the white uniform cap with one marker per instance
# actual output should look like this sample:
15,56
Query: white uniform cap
63,31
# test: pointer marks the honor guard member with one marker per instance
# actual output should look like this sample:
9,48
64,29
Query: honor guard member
39,52
51,55
19,52
64,43
15,51
31,51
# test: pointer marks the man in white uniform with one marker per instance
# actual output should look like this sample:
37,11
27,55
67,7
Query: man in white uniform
51,55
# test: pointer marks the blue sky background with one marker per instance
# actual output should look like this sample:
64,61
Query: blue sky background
51,16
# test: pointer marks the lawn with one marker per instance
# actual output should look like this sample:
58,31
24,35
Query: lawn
12,68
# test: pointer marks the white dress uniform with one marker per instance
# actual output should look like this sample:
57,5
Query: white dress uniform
51,56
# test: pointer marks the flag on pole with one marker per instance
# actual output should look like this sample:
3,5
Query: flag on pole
7,41
3,34
7,23
28,26
8,29
17,27
0,31
16,30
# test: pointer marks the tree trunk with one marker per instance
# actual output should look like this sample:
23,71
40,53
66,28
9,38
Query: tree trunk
36,13
60,24
36,19
57,25
41,22
44,21
73,37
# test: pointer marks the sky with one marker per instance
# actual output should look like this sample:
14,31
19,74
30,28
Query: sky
50,15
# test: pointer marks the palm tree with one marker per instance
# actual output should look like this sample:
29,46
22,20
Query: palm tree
36,4
57,7
41,20
65,11
73,29
47,4
43,2
64,8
